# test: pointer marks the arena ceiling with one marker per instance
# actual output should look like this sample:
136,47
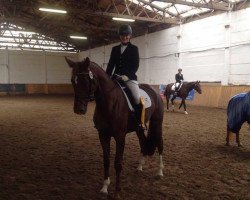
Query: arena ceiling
93,19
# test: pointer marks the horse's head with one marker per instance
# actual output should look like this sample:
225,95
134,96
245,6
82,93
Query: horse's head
197,87
84,83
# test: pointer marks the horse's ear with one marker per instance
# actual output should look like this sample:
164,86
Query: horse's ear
70,62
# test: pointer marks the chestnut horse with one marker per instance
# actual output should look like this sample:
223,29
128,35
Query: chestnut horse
113,118
182,93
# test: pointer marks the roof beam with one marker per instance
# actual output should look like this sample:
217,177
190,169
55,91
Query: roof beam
158,8
210,5
163,20
59,23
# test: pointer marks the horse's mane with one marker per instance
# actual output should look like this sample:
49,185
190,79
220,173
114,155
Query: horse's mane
96,68
95,65
190,83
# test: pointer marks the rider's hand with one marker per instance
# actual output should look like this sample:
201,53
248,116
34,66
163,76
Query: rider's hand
124,78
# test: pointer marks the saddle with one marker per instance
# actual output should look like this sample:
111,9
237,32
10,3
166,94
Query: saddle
144,100
144,96
175,85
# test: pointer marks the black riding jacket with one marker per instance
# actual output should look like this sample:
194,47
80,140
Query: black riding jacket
179,78
126,63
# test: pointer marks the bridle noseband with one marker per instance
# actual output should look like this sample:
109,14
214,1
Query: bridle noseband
91,93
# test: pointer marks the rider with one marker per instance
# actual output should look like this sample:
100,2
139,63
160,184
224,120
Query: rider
179,79
124,61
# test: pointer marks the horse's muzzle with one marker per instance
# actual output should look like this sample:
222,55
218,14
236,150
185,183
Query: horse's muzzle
80,107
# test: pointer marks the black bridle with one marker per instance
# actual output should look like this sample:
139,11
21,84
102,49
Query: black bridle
197,86
91,92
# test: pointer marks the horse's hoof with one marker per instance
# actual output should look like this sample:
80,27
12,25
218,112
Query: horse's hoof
103,196
117,196
104,191
160,174
240,145
139,168
227,144
185,112
158,177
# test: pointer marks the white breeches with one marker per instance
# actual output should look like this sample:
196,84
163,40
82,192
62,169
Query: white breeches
134,88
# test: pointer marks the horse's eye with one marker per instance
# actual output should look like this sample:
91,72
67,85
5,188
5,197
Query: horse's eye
73,79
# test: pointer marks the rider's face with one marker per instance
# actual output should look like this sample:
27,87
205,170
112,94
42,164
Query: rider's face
125,38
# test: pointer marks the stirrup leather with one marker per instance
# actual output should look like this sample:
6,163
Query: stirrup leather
142,120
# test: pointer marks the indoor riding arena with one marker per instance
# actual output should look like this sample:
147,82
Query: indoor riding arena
51,150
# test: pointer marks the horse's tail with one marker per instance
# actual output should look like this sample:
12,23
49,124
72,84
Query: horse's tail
154,137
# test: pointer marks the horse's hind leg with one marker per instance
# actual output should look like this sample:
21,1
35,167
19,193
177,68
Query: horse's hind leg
142,139
172,101
105,142
155,133
228,137
167,98
181,104
238,139
185,107
160,150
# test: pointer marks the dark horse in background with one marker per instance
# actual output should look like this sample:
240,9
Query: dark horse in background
182,93
112,116
238,112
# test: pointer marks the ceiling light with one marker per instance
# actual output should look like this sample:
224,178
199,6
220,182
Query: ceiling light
123,19
78,37
53,10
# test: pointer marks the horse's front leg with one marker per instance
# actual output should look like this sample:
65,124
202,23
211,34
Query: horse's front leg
181,104
105,142
120,144
172,101
185,107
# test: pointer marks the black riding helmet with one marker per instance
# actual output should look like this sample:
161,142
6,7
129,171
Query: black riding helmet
125,30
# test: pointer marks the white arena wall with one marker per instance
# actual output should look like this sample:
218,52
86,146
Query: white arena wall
213,49
34,71
38,67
